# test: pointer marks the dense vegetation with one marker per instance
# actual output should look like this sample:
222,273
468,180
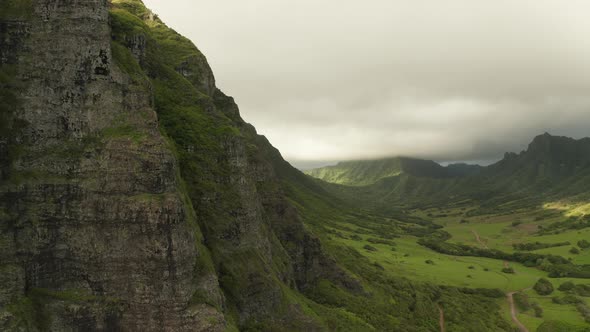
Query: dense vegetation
538,245
358,173
402,244
528,259
543,287
531,212
380,256
202,124
371,229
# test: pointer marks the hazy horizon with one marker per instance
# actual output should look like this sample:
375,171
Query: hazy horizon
453,81
304,165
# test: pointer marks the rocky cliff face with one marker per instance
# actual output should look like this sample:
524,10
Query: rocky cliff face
262,253
96,233
133,196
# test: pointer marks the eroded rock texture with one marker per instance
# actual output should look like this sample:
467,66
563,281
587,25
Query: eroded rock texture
95,232
133,195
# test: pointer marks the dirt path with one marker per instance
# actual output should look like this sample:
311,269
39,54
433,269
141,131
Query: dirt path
441,319
485,246
513,312
510,296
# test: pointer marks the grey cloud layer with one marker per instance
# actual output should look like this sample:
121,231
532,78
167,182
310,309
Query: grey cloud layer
449,80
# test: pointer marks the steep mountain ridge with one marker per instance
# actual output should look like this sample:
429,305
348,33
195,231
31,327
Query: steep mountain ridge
114,217
551,167
366,172
96,233
263,254
133,197
547,158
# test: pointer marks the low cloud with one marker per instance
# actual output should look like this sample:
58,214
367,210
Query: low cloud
452,80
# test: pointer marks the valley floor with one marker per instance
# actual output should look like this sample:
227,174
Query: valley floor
404,256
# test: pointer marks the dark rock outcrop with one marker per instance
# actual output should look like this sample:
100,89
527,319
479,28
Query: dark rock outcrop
133,196
96,233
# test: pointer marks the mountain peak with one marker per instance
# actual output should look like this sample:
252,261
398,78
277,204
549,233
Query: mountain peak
549,146
547,157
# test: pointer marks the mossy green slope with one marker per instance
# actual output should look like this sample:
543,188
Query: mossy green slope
552,168
394,301
262,253
249,242
367,172
95,230
264,222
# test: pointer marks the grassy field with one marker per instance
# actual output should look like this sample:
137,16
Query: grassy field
551,312
410,259
503,231
405,257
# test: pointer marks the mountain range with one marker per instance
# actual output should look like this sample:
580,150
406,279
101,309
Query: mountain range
551,166
134,197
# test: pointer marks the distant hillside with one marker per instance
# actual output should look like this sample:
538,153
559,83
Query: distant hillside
547,159
367,172
462,169
551,167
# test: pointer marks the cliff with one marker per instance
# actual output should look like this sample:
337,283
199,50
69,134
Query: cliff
97,233
133,196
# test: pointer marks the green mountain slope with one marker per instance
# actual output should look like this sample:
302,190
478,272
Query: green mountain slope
336,290
134,197
366,172
261,252
551,168
548,161
265,224
505,226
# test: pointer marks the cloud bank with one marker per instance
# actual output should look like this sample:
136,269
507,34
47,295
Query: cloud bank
446,80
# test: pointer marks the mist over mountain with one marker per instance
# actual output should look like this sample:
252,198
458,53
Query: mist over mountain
450,81
551,165
559,154
135,197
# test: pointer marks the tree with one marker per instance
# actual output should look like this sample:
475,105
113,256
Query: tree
566,286
543,287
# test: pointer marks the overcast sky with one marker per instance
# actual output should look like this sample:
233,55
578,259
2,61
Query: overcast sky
446,80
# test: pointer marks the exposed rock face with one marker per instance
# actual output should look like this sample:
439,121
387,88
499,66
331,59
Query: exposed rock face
105,224
264,226
133,197
261,250
95,232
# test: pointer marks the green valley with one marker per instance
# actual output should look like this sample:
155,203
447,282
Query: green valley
135,197
499,243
